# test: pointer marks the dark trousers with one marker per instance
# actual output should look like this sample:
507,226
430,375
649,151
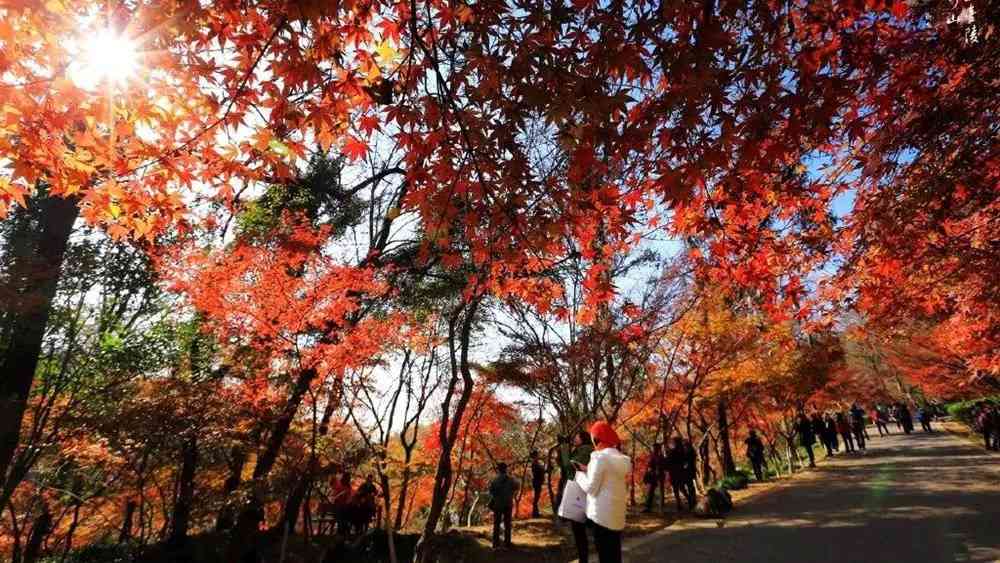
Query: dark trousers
848,441
689,492
859,438
758,466
828,444
651,492
608,544
580,539
809,452
883,429
506,515
536,488
682,486
926,424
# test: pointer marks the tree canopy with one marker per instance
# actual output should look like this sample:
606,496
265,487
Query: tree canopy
247,245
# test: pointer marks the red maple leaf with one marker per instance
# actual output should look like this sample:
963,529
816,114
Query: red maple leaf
355,148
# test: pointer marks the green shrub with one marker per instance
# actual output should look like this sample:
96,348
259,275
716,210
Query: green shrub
965,411
100,553
735,481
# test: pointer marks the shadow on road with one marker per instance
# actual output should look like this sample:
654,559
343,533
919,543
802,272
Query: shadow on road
917,498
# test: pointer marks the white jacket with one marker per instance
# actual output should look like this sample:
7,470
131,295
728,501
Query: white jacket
605,485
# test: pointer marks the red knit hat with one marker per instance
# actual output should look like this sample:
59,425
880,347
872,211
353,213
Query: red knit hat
603,432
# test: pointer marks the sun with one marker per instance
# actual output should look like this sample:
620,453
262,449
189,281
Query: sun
104,57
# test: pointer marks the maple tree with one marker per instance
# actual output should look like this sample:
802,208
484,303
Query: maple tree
312,180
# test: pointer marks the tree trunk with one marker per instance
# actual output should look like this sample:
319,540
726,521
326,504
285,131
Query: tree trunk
39,532
404,487
707,475
448,431
126,533
251,514
182,508
390,536
15,536
72,530
293,504
237,459
33,262
728,465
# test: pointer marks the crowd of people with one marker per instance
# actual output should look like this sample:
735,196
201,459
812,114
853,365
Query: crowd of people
593,463
849,429
679,466
596,467
351,510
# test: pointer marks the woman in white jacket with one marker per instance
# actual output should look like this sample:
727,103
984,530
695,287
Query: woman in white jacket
604,481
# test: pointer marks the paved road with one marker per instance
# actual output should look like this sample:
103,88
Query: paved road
915,499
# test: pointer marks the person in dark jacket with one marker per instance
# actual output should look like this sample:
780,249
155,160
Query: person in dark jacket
831,433
674,462
570,460
654,477
502,490
996,426
537,480
819,430
804,430
755,453
364,504
844,429
858,412
924,416
858,426
986,421
905,418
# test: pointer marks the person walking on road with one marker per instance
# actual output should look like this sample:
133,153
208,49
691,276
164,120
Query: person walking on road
986,423
881,420
905,418
995,416
604,481
502,490
807,438
858,426
831,433
819,429
844,429
925,416
674,463
755,453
